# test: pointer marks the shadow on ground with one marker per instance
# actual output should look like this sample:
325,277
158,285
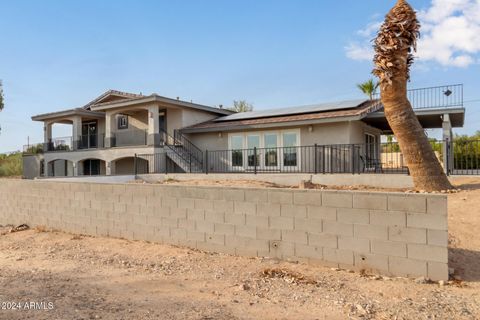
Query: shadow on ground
465,262
469,186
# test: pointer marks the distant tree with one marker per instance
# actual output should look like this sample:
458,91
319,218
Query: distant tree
241,106
369,88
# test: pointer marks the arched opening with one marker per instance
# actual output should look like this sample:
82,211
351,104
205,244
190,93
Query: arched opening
126,166
60,168
92,167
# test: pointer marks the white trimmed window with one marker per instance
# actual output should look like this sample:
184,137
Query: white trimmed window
274,149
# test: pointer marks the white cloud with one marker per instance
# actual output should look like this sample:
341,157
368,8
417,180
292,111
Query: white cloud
357,51
450,34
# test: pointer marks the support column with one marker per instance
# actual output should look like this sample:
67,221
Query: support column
109,168
447,139
79,167
109,129
153,138
46,169
47,136
76,132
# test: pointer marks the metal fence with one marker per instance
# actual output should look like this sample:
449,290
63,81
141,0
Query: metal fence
91,141
317,159
384,158
466,157
61,144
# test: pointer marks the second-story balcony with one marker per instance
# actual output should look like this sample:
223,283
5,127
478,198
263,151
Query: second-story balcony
440,97
127,138
91,141
59,144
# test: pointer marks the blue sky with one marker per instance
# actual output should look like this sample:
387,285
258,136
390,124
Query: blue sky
60,54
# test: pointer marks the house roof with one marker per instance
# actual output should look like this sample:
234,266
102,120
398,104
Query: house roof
114,98
67,113
111,93
157,98
340,111
331,106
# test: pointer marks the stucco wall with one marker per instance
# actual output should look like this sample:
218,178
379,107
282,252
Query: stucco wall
31,166
191,117
174,120
389,233
321,134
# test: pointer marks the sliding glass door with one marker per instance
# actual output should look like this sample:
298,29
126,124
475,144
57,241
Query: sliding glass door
236,147
271,150
290,149
268,151
253,153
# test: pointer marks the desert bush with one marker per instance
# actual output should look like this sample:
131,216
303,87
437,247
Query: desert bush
11,164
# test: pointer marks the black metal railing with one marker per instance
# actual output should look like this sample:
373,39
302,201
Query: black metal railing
448,96
466,157
59,144
91,141
317,159
188,146
182,152
460,157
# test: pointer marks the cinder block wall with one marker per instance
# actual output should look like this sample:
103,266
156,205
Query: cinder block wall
388,233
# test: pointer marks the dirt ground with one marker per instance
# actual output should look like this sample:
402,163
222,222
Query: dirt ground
101,278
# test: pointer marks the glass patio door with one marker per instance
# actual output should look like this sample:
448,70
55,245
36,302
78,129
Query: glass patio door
89,138
270,151
290,154
236,156
253,160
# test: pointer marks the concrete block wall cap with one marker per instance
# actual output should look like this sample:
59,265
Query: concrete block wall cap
373,192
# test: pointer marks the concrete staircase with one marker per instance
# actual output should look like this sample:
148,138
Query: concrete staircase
183,153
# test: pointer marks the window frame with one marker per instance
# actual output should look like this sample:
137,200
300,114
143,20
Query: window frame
262,149
121,117
231,150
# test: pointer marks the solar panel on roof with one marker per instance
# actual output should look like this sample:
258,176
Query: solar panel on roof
293,110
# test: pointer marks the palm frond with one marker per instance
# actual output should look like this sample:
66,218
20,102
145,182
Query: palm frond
395,42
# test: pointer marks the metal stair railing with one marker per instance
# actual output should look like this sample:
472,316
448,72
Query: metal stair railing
188,146
181,154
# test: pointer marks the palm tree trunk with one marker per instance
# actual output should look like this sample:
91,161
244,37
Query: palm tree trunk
425,169
393,45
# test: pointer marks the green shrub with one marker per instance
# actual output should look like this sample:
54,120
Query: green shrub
11,164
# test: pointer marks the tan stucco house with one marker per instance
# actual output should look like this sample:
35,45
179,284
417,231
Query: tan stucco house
120,133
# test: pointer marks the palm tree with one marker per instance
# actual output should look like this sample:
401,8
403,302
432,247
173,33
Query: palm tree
393,57
369,88
241,106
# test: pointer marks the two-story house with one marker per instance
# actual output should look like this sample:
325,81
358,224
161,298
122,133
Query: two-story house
115,133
